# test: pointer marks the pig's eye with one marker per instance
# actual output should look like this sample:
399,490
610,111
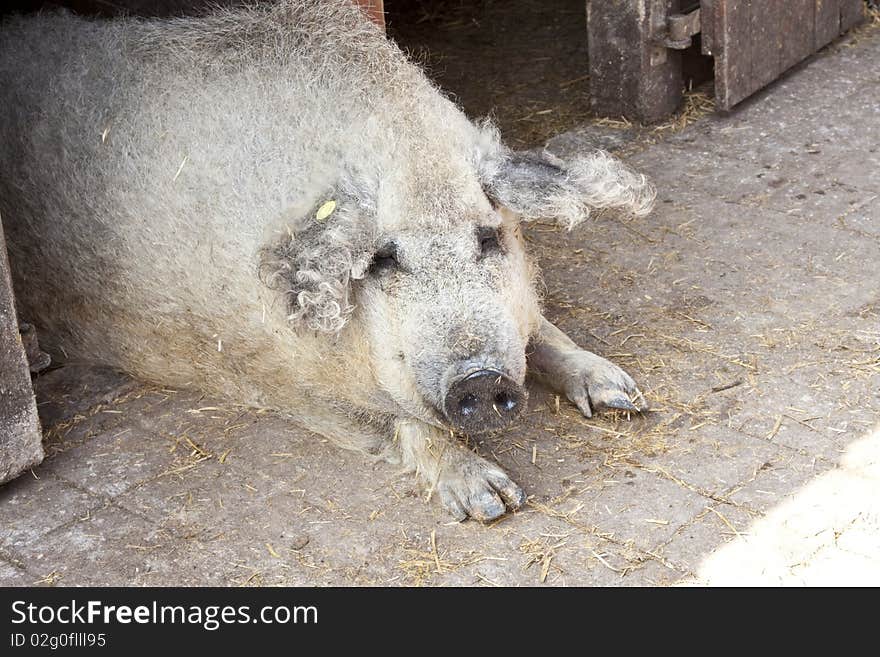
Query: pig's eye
385,259
489,240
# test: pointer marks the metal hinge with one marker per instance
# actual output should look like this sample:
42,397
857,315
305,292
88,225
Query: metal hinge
680,30
676,32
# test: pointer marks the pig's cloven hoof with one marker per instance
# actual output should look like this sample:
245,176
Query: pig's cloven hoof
593,383
470,486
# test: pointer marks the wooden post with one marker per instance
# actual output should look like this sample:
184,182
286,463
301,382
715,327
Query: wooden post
21,445
631,75
375,9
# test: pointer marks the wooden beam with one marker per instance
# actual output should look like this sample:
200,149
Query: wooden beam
21,445
375,9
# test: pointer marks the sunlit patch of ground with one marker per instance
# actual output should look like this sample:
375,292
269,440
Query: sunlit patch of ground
826,534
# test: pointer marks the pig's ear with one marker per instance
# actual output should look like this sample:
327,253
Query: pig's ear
314,262
540,185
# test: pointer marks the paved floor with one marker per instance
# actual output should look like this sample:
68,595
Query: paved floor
747,306
828,534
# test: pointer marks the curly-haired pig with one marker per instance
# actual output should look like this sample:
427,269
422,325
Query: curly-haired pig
271,203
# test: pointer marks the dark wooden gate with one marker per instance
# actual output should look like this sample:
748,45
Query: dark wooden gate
754,42
636,47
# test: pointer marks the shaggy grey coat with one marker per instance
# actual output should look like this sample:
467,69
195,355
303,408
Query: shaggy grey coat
273,204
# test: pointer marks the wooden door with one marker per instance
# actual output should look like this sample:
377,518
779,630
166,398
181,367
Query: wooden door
755,41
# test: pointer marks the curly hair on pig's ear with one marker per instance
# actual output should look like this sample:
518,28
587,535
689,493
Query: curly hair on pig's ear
313,264
541,185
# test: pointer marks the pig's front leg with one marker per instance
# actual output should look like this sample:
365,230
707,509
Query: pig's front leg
467,484
589,381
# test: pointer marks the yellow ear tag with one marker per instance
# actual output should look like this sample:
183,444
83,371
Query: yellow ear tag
325,210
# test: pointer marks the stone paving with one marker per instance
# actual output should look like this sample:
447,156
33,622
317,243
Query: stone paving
747,306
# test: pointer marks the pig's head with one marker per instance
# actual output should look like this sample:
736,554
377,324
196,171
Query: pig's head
432,279
449,312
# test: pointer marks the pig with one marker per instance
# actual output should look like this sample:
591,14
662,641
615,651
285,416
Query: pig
272,204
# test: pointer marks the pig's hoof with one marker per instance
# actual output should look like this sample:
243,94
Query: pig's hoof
473,487
593,383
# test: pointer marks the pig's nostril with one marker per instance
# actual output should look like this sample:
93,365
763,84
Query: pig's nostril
483,400
505,402
468,405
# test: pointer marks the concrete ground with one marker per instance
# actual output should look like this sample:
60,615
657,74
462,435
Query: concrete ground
747,306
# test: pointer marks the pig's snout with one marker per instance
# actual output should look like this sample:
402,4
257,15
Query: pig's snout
483,400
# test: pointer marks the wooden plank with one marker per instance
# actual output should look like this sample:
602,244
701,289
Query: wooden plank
21,444
375,9
731,44
798,26
827,22
834,17
761,40
852,12
764,50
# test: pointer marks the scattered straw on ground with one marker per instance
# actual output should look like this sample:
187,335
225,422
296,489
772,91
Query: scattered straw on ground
695,105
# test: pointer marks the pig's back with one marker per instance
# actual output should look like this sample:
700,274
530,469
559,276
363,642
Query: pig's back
143,163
